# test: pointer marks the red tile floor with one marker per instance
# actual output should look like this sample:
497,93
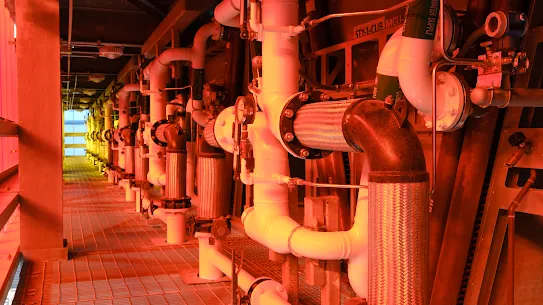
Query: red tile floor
114,260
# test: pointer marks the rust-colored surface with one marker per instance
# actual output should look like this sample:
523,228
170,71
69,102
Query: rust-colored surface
463,209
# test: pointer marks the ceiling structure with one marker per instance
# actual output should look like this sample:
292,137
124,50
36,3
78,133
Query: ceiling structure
124,26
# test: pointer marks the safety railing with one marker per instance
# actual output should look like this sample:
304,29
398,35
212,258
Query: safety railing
9,228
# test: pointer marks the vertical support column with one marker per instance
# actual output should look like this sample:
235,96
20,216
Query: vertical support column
322,213
290,278
40,139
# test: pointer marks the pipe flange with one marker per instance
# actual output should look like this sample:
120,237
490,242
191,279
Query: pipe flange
286,125
108,135
173,204
154,129
265,284
220,228
456,108
452,31
290,238
121,132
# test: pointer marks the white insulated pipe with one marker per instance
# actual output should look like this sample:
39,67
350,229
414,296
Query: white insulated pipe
124,120
269,223
157,73
418,45
227,13
414,75
108,113
123,95
213,264
389,65
280,63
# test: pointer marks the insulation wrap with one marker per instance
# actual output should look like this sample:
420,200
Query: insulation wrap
209,134
141,164
319,125
213,189
176,164
398,243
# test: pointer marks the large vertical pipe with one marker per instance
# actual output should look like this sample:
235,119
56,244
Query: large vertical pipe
108,127
176,165
234,73
398,203
176,162
129,167
280,63
157,165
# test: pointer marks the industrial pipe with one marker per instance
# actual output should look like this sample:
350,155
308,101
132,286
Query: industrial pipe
157,73
414,56
123,95
176,162
387,82
213,264
367,126
278,50
227,13
268,221
511,236
124,120
501,98
398,196
213,191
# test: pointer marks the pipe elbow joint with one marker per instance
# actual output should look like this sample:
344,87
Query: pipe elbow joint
156,178
175,138
391,143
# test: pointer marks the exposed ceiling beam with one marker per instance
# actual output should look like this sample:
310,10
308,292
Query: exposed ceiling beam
182,14
105,10
149,7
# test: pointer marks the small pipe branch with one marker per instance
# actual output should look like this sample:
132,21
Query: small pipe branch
511,236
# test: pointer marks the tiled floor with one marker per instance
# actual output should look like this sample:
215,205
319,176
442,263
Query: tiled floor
114,259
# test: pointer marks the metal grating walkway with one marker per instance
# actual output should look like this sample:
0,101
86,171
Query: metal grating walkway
114,260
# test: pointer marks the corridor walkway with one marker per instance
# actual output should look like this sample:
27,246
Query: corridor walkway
117,257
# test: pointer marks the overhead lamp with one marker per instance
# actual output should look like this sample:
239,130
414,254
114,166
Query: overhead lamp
89,92
97,78
110,52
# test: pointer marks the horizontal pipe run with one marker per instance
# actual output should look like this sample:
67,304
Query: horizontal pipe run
501,98
213,262
318,126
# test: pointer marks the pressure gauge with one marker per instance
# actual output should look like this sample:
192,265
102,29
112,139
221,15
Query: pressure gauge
245,109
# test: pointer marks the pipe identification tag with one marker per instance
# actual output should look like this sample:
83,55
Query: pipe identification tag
380,24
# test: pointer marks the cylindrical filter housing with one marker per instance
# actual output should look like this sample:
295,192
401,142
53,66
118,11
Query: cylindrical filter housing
209,134
319,125
213,189
141,163
176,167
129,166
